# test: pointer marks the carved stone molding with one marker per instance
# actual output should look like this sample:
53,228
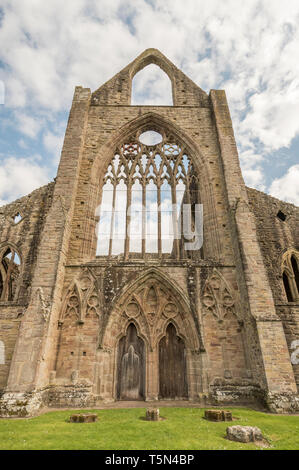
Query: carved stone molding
218,297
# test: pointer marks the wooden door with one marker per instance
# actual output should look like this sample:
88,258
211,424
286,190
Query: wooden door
131,366
172,366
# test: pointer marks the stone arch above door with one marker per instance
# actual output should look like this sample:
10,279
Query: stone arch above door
150,302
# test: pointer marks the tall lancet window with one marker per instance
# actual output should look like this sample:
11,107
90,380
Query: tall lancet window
10,266
150,200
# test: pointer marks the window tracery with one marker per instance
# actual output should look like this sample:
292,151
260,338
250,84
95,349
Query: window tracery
144,190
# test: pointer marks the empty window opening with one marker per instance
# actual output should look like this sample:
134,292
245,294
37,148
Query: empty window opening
145,190
2,353
10,265
151,86
17,218
287,287
296,271
281,216
150,138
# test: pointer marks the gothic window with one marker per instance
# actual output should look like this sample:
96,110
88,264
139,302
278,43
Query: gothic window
2,353
290,275
148,182
17,218
287,287
151,86
295,271
10,265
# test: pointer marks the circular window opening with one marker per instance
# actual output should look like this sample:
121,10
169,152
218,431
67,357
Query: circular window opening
150,138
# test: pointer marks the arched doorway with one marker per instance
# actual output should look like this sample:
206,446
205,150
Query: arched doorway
131,366
172,366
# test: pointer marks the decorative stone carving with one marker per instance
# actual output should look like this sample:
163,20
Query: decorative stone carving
133,309
45,305
82,298
152,302
217,297
170,310
93,305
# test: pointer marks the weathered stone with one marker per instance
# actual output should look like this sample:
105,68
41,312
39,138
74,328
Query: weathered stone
83,418
218,415
153,414
232,324
244,434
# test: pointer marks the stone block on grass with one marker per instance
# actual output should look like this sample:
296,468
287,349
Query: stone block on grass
244,434
83,418
153,414
218,415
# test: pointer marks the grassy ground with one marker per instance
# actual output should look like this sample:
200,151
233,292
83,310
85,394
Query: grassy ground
183,428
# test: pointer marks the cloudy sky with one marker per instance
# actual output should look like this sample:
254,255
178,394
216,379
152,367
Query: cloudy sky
251,49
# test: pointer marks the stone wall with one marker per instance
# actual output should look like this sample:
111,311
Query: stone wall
228,307
25,238
276,236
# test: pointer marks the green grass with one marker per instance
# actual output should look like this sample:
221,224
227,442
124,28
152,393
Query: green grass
118,429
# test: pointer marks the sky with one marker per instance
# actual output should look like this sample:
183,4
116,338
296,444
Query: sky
250,49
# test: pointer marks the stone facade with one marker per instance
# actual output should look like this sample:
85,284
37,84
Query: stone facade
69,312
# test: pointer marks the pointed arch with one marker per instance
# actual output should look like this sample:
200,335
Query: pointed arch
10,271
172,305
151,86
145,122
84,288
201,190
172,365
218,297
152,56
117,90
72,302
290,274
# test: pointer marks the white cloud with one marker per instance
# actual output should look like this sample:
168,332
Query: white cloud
53,143
287,187
248,48
20,176
28,125
151,86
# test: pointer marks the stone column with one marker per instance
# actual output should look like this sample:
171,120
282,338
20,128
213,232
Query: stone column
34,354
152,373
273,369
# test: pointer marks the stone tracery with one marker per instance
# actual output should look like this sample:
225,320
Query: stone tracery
153,181
151,305
217,297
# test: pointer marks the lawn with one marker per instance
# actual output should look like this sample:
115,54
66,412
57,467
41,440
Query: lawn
118,429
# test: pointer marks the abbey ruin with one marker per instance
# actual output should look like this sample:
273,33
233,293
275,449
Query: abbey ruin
88,317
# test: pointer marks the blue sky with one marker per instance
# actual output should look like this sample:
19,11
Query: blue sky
248,48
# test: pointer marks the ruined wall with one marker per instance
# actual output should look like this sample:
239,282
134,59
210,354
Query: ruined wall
221,305
89,325
276,236
25,237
